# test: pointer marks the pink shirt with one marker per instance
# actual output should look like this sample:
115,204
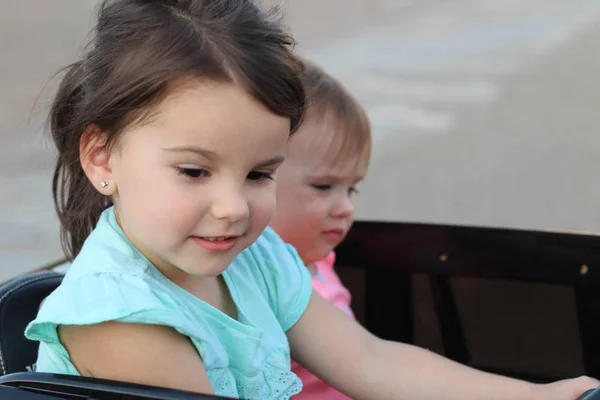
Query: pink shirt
327,283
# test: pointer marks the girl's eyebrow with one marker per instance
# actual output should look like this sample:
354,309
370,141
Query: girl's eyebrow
211,155
271,162
337,178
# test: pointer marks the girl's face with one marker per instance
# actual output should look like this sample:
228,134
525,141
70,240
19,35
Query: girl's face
194,185
314,207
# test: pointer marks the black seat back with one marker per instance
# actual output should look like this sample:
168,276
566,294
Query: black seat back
19,303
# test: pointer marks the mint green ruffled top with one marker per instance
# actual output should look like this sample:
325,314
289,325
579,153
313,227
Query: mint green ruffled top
247,357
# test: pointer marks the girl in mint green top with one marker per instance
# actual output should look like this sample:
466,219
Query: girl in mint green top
169,132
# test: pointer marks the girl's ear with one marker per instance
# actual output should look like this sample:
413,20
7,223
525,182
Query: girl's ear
95,159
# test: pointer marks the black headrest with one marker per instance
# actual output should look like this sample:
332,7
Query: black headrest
19,304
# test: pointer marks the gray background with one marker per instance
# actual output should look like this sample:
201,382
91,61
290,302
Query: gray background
484,111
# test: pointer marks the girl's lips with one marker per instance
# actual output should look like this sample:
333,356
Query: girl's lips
216,246
334,236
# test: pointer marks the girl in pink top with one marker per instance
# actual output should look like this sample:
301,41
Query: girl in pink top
325,161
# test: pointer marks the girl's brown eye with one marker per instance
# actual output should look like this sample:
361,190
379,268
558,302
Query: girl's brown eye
260,176
192,173
321,188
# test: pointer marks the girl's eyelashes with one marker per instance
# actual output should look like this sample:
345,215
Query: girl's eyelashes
321,187
260,176
192,172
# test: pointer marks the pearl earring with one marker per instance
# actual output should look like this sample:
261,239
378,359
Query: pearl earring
104,184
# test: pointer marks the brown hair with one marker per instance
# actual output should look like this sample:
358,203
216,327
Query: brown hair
329,100
140,50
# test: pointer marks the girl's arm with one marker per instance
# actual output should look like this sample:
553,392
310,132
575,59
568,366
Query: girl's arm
347,356
136,353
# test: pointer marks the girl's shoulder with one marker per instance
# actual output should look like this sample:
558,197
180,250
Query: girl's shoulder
108,280
107,250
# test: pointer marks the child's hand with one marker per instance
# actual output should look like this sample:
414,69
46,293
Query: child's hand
568,389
